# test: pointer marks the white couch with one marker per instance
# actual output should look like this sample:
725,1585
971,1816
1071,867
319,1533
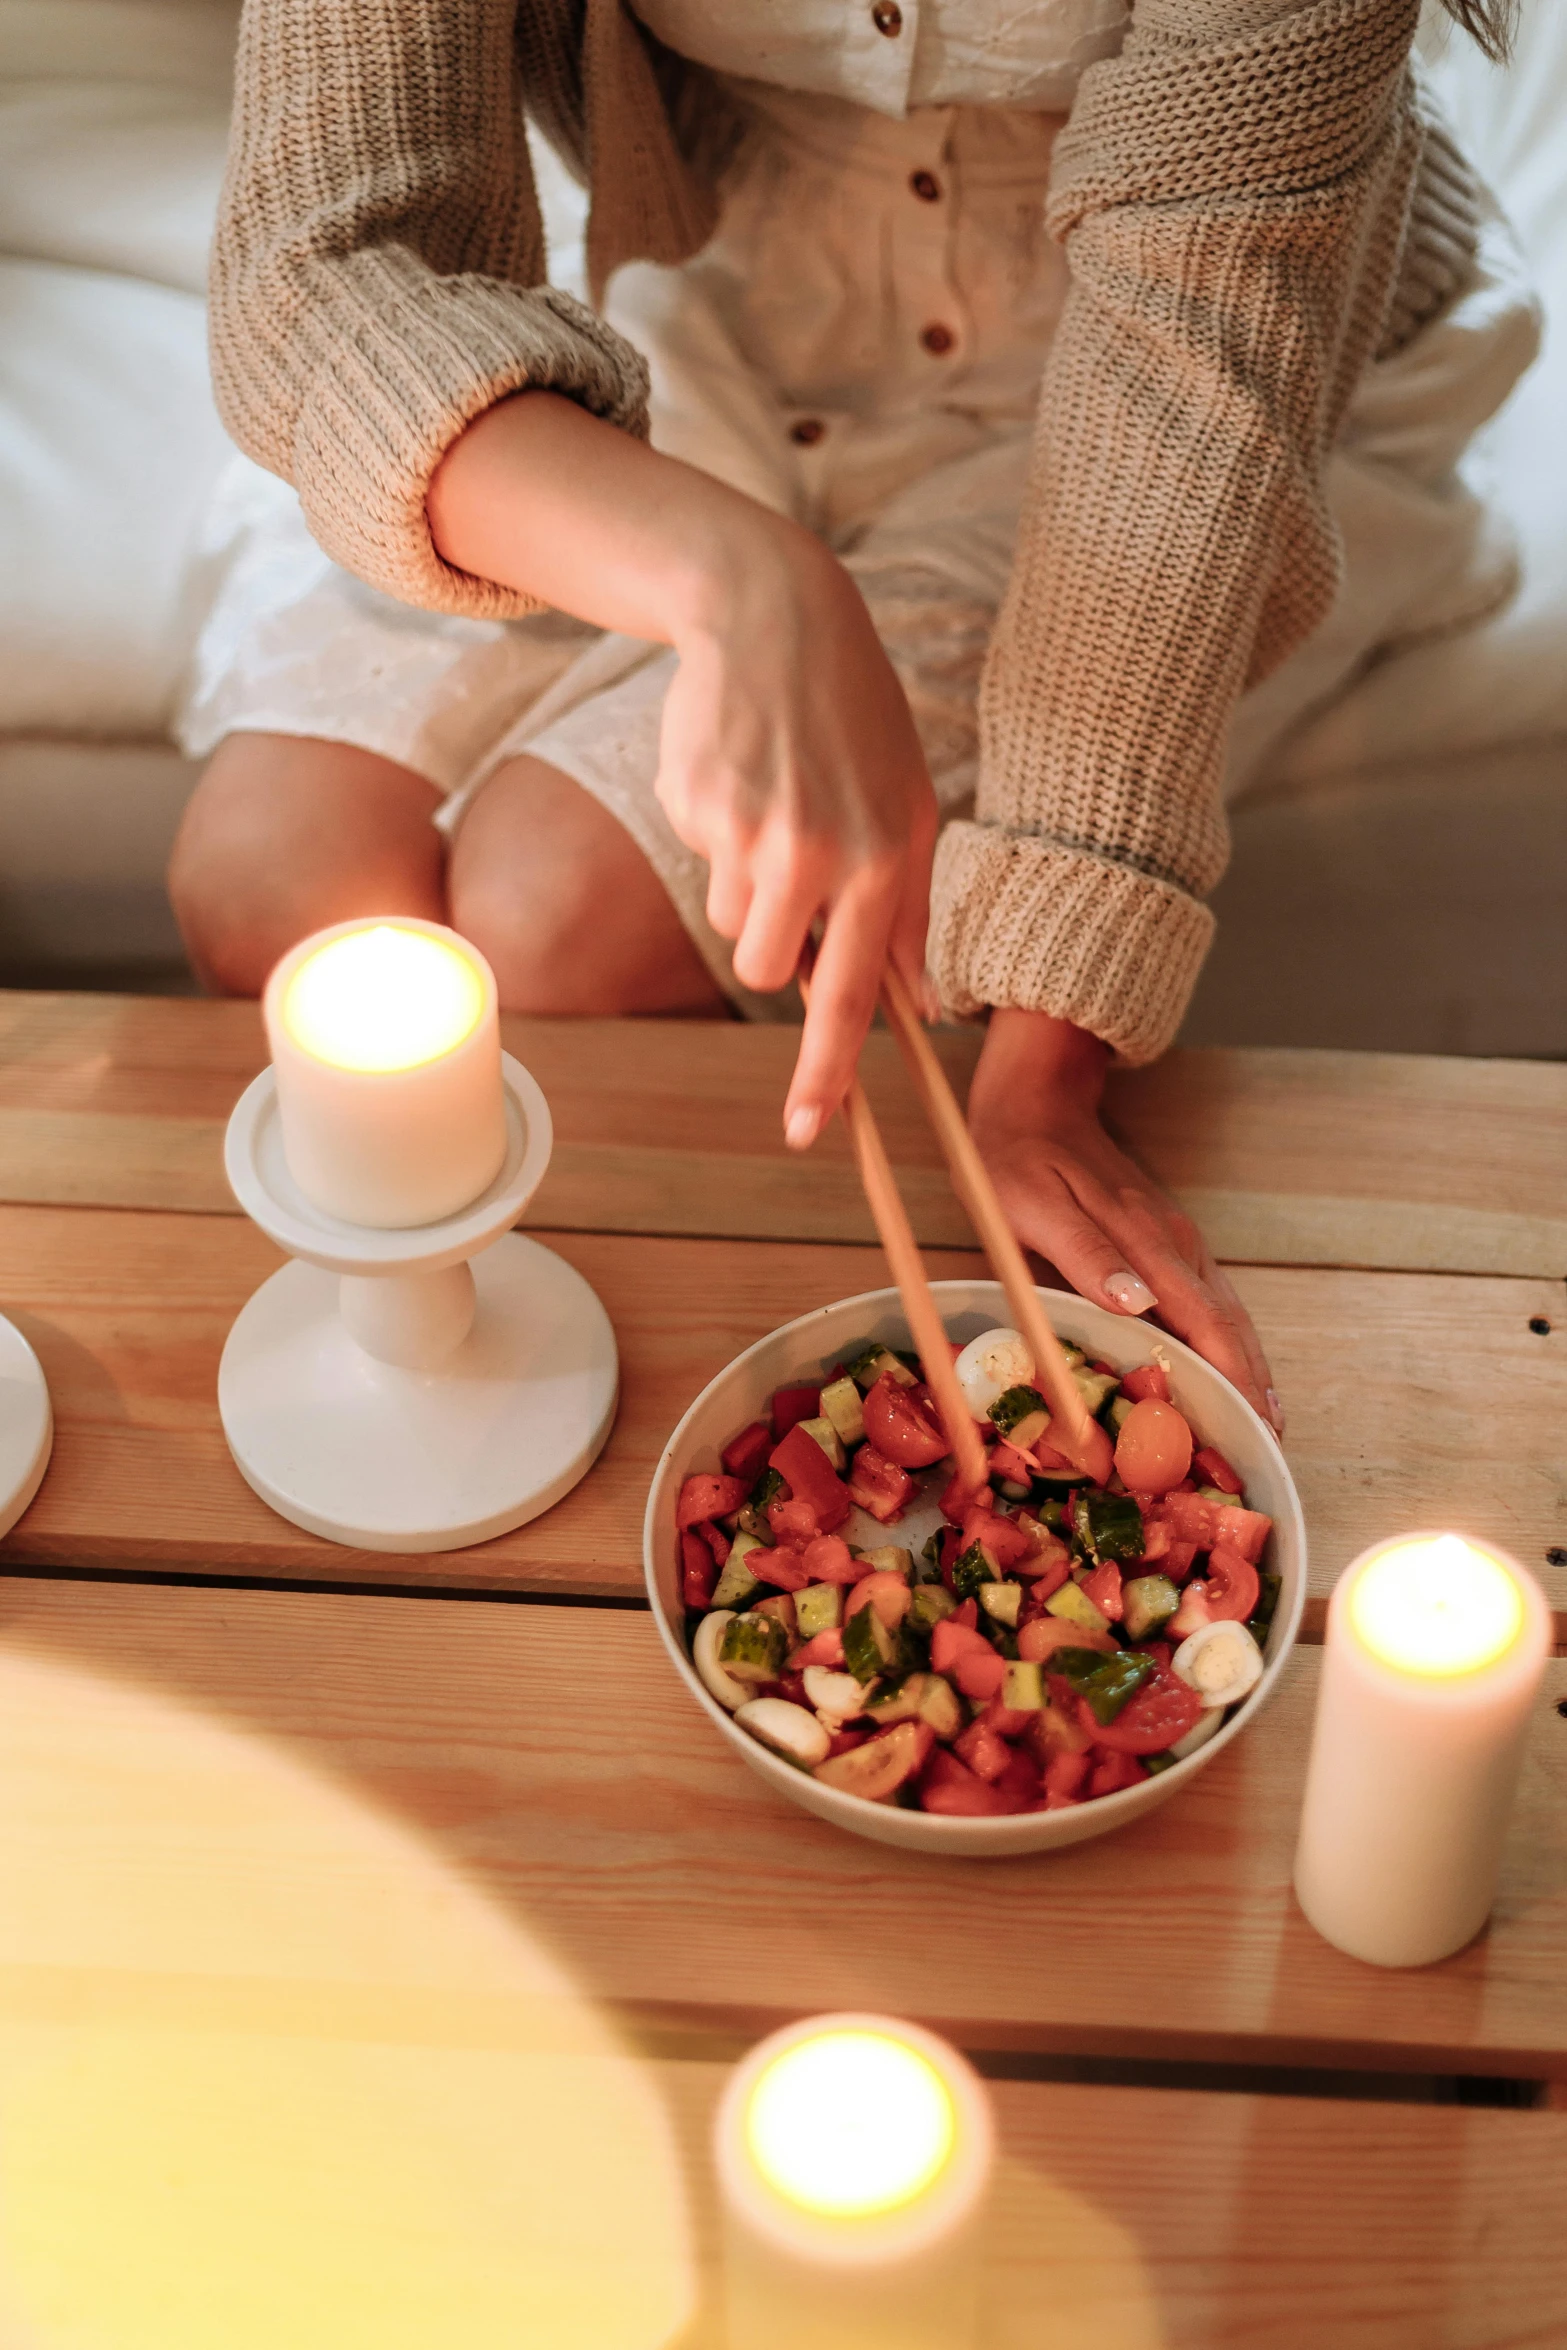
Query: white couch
1399,876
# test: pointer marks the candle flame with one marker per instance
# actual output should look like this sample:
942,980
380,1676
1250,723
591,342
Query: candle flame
1437,1608
850,2124
383,998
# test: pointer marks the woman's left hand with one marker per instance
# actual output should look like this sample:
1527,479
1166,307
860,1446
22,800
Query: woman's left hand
1074,1196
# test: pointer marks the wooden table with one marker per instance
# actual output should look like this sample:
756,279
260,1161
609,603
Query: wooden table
324,1864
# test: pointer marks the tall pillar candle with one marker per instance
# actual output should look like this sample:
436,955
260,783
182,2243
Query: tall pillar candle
386,1051
1431,1667
853,2156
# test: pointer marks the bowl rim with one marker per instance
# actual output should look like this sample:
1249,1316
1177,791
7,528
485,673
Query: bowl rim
832,1802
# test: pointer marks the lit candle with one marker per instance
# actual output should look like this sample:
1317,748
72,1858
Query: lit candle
1432,1663
386,1050
853,2158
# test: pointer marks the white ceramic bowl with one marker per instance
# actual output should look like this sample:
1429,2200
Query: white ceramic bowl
739,1395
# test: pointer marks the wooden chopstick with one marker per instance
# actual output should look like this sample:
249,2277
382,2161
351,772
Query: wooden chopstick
923,1315
1073,1429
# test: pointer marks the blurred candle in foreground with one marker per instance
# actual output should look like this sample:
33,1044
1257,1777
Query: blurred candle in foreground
853,2156
385,1042
1432,1663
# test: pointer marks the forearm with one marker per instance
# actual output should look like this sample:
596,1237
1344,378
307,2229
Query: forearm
549,500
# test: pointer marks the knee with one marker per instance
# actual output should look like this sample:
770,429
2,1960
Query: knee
532,939
232,933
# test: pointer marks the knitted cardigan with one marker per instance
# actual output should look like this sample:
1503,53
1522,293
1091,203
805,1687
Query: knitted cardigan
1254,203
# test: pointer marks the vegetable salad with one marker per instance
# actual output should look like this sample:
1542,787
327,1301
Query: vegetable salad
1035,1646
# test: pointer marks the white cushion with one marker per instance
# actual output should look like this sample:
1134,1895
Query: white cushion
109,447
180,44
111,175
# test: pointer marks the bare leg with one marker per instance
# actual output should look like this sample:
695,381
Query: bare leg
568,910
285,834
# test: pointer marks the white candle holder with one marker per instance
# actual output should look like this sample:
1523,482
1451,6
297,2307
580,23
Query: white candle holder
26,1424
419,1388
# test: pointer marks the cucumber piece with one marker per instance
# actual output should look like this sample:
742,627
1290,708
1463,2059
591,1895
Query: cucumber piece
736,1582
930,1603
841,1405
1050,1514
1153,1764
818,1608
888,1560
941,1706
752,1519
1072,1607
1095,1387
1226,1501
879,1362
1001,1600
972,1571
929,1568
1149,1601
1120,1412
1106,1681
905,1702
1074,1354
1020,1415
753,1648
1267,1607
1024,1688
1109,1526
827,1437
868,1647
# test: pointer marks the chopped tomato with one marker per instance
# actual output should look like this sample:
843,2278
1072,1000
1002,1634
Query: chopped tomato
950,1552
747,1456
1178,1561
823,1648
1112,1772
1004,1539
966,1612
829,1560
1065,1773
717,1542
950,1640
1010,1465
898,1428
793,1404
1018,1785
1154,1449
698,1573
1045,1634
949,1786
886,1592
1216,1469
845,1741
986,1754
1138,1386
1163,1710
880,1487
807,1471
792,1521
1008,1721
1246,1531
1047,1570
1103,1587
1191,1517
979,1672
1233,1585
1156,1540
791,1685
783,1567
710,1497
1192,1613
1055,1729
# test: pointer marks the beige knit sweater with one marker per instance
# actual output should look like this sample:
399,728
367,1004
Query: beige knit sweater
1253,204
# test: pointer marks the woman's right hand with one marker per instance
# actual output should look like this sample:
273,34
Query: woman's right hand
789,757
791,764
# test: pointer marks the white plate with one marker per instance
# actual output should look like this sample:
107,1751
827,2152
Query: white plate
800,1349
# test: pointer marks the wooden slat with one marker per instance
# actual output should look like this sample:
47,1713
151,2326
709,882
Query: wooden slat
550,1760
129,1314
668,1126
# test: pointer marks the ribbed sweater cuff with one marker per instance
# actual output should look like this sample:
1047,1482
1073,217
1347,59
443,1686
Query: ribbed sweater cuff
388,400
1022,921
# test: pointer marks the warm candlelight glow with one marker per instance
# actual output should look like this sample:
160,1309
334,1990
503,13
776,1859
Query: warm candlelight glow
1438,1607
850,2124
383,998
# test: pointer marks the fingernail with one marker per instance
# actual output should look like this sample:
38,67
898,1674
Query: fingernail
1275,1411
801,1128
1128,1293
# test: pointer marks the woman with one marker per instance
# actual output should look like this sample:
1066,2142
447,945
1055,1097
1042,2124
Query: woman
1052,401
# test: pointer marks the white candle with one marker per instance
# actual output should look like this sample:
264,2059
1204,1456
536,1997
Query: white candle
1432,1663
386,1050
853,2158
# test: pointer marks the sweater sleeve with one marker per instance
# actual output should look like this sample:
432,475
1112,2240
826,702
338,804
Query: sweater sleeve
378,272
1232,191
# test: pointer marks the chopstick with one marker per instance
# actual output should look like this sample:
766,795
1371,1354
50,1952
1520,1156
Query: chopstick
1073,1429
923,1315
